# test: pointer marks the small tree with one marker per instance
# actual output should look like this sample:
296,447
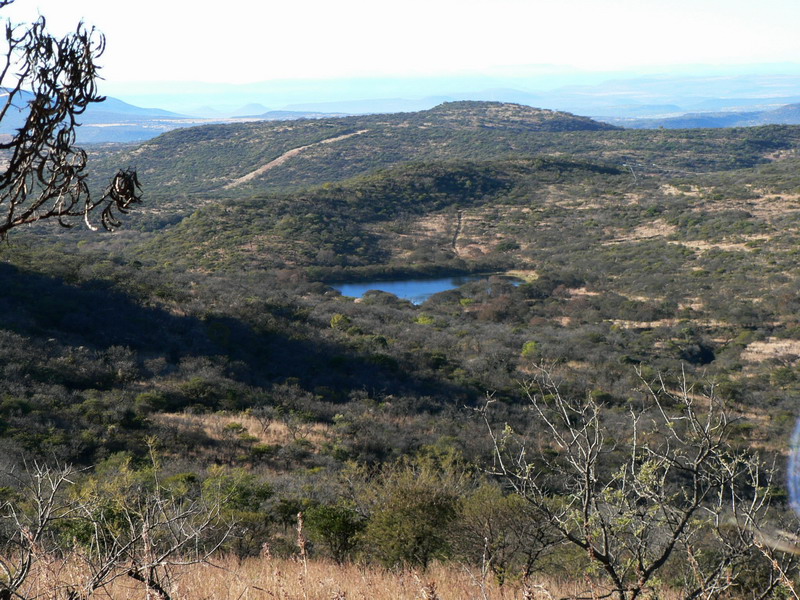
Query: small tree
501,533
410,507
132,524
337,526
49,83
672,496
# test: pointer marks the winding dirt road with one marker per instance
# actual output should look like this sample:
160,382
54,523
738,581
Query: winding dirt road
286,156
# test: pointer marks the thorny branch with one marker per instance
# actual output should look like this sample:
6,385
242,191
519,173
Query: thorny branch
47,83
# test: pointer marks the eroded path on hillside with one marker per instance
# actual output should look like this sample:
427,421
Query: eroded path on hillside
286,156
457,234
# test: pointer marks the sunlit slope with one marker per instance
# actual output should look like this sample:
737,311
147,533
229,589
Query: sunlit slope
247,159
526,213
413,214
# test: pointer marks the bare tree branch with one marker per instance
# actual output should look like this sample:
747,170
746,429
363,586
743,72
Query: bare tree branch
680,493
48,83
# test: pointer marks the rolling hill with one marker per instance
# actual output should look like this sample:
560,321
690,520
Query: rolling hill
246,159
405,218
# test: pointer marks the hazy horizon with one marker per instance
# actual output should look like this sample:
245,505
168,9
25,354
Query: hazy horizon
568,89
313,55
243,43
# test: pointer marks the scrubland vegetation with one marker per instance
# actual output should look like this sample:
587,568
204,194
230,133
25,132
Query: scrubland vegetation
617,424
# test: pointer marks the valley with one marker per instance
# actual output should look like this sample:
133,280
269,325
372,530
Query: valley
645,262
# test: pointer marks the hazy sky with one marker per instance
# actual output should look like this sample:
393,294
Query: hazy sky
239,41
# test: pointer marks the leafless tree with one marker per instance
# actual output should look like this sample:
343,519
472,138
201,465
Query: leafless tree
27,520
668,493
67,534
140,528
49,82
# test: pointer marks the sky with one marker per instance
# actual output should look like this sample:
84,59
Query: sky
243,41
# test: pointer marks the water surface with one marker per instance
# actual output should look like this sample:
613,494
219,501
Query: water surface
415,290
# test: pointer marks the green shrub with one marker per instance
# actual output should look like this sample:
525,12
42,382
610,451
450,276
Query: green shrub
337,527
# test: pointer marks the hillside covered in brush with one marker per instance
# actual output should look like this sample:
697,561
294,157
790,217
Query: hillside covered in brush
625,260
612,259
191,167
241,158
432,216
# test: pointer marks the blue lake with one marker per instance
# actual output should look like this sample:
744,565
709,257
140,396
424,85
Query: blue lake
416,290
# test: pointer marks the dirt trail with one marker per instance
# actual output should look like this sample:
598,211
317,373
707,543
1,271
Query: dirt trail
286,156
459,228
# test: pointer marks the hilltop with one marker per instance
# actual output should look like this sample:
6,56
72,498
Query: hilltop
248,159
499,115
240,159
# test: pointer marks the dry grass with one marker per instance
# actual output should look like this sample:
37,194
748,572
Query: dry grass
581,291
703,246
527,275
627,324
671,190
771,348
267,578
767,207
469,233
648,231
216,426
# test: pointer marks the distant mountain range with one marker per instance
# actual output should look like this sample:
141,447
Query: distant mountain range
546,86
670,101
288,115
784,115
109,121
112,108
116,121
